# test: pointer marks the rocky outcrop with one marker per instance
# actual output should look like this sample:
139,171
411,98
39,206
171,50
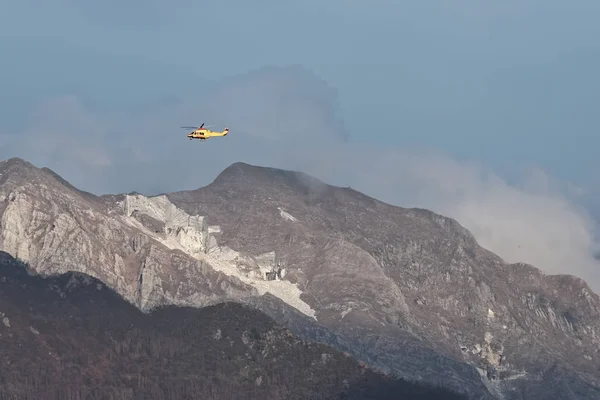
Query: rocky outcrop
160,216
146,248
56,230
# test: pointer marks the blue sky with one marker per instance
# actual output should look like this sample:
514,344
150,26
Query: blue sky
501,87
508,82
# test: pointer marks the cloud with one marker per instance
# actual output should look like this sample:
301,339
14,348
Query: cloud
288,118
288,103
530,222
537,221
61,134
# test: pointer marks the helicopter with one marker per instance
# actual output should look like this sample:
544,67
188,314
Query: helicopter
200,132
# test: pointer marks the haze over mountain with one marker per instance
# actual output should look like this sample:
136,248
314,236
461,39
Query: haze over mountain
404,289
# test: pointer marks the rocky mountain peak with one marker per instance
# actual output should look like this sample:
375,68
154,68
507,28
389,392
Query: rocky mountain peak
241,176
406,289
16,172
16,169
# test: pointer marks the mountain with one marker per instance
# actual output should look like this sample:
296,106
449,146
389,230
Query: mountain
405,290
71,337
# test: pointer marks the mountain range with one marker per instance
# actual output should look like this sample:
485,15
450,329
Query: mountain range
404,290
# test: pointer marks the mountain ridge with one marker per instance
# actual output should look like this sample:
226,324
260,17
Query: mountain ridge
407,290
236,170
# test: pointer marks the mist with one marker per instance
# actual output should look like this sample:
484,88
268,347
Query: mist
288,117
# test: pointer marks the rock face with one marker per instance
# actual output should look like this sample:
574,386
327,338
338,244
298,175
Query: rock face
406,290
408,285
146,248
71,337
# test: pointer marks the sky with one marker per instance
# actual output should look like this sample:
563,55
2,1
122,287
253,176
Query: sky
483,111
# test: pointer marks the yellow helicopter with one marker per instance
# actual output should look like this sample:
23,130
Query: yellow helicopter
200,132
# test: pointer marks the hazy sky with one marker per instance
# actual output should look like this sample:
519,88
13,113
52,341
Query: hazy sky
486,111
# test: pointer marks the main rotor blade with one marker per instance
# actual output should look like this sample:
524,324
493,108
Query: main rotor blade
189,127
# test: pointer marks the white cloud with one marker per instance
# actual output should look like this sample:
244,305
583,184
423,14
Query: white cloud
532,223
535,222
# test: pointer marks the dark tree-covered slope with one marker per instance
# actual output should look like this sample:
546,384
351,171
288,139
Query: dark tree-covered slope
71,337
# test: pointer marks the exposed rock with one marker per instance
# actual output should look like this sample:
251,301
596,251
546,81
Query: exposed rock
145,248
406,290
368,267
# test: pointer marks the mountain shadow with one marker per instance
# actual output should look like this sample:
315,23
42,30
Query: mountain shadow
71,337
